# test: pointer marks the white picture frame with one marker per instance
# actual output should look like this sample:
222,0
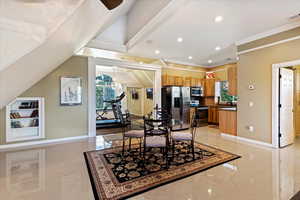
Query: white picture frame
70,91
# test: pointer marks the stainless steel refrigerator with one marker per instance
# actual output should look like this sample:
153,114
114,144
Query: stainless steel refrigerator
176,100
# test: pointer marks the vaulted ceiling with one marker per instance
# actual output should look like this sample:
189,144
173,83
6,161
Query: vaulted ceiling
25,24
192,23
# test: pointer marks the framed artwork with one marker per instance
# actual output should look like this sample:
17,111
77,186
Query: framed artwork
149,93
210,75
70,91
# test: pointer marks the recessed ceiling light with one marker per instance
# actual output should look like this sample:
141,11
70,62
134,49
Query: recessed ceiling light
141,62
218,19
190,57
218,48
209,61
179,39
157,52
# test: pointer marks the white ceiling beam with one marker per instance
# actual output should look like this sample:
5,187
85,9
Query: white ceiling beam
111,46
156,20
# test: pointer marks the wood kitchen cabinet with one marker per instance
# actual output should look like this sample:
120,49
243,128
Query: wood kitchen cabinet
199,82
209,89
227,122
213,114
196,82
167,80
232,81
187,82
178,81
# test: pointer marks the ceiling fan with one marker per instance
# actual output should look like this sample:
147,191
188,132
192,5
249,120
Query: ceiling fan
111,4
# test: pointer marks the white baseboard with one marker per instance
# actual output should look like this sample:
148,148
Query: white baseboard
247,140
5,147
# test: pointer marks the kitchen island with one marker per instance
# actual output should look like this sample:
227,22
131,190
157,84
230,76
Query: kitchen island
228,120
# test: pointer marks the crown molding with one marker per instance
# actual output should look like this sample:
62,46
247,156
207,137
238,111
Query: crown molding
184,63
265,34
269,45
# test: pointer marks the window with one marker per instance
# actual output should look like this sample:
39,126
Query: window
225,97
104,91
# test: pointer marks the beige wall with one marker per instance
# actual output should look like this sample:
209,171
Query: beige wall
297,101
148,103
270,39
141,106
60,121
256,68
134,106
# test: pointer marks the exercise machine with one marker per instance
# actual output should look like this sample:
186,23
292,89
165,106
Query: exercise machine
120,119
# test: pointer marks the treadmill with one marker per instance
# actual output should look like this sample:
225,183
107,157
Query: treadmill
119,116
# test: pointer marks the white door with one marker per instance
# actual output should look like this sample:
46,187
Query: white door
286,101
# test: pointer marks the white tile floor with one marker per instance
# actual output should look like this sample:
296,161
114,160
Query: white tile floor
58,172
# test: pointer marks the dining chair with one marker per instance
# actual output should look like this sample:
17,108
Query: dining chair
185,136
129,133
156,136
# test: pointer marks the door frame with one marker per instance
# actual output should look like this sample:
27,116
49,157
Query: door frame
275,98
93,62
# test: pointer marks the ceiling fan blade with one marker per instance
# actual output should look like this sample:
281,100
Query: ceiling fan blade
111,4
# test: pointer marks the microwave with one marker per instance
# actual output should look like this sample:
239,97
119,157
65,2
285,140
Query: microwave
196,91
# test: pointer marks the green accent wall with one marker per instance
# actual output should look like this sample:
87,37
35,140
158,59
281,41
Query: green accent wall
60,121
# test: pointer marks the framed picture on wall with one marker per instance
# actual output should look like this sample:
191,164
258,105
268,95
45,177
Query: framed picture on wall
149,93
70,91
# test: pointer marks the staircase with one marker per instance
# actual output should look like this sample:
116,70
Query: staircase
40,35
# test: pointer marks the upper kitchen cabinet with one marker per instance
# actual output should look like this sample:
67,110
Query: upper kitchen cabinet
179,81
209,88
187,82
167,80
232,81
196,82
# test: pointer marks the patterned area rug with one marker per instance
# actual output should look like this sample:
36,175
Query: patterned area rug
116,177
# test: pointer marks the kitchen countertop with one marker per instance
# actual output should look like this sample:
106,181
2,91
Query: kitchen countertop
233,108
220,107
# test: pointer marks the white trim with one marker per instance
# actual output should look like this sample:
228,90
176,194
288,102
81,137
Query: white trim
182,69
91,97
125,64
269,45
166,66
275,95
111,46
185,63
93,62
277,30
159,18
247,140
41,118
5,147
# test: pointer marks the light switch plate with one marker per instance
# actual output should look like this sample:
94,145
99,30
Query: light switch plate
251,128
